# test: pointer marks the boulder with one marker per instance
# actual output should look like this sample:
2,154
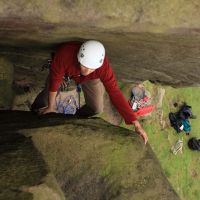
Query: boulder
90,158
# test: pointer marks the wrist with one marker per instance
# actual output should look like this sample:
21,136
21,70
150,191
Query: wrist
50,106
136,123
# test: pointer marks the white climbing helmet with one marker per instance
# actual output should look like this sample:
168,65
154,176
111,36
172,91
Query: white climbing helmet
91,54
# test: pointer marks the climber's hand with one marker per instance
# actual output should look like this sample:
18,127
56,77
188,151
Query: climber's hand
46,110
139,130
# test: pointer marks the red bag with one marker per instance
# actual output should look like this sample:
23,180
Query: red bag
143,111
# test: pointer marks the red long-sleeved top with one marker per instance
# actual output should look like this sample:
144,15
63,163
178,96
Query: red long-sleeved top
65,62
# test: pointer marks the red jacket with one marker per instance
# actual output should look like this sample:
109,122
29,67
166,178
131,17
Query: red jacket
65,62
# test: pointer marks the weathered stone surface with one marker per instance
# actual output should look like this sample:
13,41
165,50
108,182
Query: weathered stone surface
90,158
6,79
35,18
171,60
30,31
39,26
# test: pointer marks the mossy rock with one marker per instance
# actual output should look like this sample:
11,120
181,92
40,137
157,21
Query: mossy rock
92,159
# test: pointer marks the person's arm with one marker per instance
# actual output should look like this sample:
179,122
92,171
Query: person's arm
57,72
139,130
118,100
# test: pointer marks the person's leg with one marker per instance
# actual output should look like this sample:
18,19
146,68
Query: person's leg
94,94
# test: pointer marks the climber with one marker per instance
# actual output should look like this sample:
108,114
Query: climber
87,64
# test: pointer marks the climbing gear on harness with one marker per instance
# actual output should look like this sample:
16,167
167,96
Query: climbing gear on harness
65,84
177,147
91,54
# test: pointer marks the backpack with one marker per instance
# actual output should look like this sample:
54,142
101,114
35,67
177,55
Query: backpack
185,112
179,120
175,122
139,99
140,102
194,144
186,125
137,93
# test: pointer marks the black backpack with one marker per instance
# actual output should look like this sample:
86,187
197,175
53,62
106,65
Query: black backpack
175,121
185,112
194,144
